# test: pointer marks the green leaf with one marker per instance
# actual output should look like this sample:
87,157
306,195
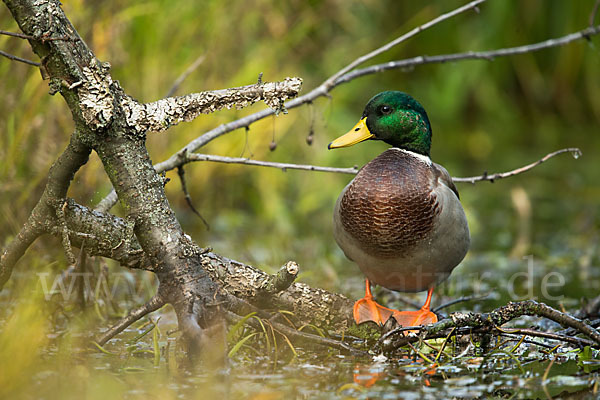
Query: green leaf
238,325
239,344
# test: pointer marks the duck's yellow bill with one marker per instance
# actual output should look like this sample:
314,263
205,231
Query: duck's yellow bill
359,133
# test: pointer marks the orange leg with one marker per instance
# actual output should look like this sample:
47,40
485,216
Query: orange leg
415,318
366,309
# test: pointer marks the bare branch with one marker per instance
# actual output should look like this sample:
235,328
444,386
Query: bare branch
23,60
548,335
188,198
42,217
282,166
162,114
331,81
500,175
185,74
471,55
184,157
285,166
594,12
15,34
42,38
154,304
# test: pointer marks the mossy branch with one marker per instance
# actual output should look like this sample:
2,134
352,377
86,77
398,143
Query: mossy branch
488,321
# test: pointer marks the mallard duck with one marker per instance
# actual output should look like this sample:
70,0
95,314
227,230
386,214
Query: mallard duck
400,219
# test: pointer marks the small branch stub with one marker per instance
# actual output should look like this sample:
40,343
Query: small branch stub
283,279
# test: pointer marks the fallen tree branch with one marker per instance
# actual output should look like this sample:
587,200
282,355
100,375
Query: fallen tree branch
43,216
106,235
488,321
198,279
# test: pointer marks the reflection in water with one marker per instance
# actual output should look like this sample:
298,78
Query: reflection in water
367,375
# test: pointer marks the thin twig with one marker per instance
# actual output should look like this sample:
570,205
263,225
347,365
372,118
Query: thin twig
29,37
282,166
529,341
500,175
331,81
185,74
594,12
188,198
459,300
549,335
570,331
471,55
154,304
23,60
400,329
285,166
15,34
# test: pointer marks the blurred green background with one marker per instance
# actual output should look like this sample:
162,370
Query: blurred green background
486,116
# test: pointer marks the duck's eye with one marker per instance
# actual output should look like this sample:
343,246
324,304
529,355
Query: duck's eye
385,110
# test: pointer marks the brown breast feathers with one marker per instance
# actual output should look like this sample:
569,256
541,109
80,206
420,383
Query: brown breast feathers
389,206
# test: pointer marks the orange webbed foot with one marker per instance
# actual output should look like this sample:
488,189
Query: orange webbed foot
423,316
415,318
366,309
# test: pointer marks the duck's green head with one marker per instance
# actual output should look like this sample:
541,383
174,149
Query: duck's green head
394,117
